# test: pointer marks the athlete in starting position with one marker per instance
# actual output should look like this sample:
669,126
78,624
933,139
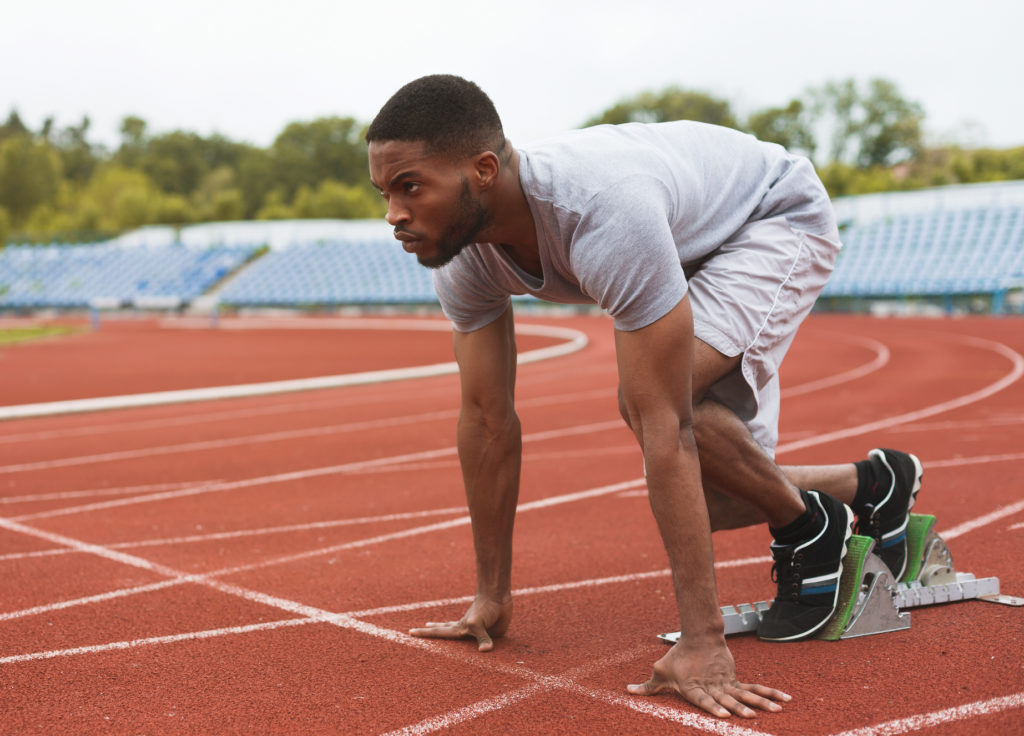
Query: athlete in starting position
708,248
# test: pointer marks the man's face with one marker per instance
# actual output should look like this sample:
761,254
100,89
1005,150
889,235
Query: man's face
430,203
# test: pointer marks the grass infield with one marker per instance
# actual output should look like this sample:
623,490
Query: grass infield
13,335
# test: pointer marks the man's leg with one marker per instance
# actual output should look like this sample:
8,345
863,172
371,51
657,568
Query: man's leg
744,486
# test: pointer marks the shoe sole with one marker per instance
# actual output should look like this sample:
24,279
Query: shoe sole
835,599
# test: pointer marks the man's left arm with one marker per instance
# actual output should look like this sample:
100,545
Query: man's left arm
655,368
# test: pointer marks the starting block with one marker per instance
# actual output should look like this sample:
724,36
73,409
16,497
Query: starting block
870,601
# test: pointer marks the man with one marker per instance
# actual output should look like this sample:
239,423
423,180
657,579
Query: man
708,248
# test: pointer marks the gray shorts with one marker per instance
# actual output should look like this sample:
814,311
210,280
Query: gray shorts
749,297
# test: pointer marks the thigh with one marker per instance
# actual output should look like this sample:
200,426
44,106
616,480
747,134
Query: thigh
748,301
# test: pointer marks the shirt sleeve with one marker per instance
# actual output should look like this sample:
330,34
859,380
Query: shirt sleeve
469,297
624,255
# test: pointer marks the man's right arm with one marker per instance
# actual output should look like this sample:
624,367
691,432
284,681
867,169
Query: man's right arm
490,452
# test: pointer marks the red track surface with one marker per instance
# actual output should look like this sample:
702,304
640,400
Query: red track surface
322,525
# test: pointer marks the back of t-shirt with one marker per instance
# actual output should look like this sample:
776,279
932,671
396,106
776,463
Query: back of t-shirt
619,208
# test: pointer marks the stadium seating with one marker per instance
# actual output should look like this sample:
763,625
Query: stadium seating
72,276
942,250
968,251
332,273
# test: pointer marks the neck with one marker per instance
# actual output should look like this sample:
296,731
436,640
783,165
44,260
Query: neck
512,224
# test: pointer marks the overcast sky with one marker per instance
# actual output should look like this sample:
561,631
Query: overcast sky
245,68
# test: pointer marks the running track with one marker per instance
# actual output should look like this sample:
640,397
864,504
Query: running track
250,565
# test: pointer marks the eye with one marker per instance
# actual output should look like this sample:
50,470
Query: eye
411,187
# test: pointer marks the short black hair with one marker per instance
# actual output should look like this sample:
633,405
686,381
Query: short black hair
451,115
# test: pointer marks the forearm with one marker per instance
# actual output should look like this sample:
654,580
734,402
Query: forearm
490,451
677,500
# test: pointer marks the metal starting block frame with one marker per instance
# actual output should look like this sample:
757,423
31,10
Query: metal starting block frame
870,601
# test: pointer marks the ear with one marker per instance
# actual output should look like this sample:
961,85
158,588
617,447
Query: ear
486,167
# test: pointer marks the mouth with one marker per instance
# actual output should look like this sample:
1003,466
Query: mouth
410,243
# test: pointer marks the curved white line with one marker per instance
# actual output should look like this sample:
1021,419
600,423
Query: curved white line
574,341
882,356
1015,373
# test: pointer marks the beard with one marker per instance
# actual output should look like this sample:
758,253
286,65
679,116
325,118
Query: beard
469,219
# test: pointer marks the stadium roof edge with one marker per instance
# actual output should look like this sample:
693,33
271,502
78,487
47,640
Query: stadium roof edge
276,234
865,208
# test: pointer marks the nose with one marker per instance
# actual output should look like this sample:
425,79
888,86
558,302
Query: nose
397,214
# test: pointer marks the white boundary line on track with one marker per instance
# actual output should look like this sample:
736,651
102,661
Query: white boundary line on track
990,518
940,717
351,467
548,682
308,526
155,640
882,357
390,635
94,492
14,525
574,341
618,488
280,435
1015,358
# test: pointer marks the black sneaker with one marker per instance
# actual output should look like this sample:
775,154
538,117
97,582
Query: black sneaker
897,480
808,573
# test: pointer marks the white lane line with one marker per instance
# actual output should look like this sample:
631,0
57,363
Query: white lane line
89,599
881,359
504,700
574,341
963,424
15,525
553,588
155,640
92,493
404,467
278,436
941,717
356,466
991,518
956,462
1015,527
241,533
344,621
1015,358
246,440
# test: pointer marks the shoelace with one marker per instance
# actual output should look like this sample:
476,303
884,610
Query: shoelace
870,524
786,571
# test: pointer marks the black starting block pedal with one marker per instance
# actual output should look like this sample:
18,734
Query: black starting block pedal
870,601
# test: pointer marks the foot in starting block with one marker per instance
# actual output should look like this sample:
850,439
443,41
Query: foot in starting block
870,601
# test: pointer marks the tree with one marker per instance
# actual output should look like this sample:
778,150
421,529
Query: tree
878,127
77,154
175,161
672,103
333,199
30,175
133,141
5,227
13,127
789,126
255,178
326,148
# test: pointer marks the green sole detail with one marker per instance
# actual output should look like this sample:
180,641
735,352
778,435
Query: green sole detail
857,550
917,534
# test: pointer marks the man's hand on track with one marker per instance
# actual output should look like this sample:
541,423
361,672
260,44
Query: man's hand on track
486,620
704,674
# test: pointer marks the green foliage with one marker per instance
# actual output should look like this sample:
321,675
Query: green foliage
789,126
30,175
876,127
55,184
671,103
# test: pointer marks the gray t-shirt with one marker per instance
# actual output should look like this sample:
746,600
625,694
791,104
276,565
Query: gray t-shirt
618,210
